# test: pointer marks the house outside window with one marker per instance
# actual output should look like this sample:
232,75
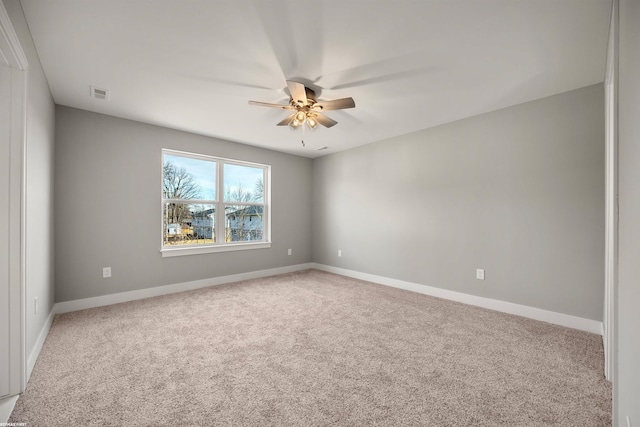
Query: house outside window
211,204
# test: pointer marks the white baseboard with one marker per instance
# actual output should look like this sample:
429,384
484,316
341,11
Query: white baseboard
7,404
42,336
588,325
81,304
6,408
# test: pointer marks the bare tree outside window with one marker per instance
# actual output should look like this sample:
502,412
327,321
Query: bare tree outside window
258,194
178,184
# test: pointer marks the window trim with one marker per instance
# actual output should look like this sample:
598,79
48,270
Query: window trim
172,251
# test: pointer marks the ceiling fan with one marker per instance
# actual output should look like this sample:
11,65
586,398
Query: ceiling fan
306,108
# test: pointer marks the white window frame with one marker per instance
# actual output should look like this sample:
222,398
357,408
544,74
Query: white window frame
171,251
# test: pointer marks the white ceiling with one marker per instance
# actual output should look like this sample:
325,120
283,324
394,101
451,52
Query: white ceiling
409,64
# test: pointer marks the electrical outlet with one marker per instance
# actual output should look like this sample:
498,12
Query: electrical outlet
35,305
480,274
106,272
339,252
289,252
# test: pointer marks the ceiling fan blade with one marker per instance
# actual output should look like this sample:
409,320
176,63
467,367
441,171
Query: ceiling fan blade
325,121
298,93
268,104
287,120
336,104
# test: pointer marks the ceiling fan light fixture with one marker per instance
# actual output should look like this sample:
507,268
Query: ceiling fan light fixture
312,122
301,117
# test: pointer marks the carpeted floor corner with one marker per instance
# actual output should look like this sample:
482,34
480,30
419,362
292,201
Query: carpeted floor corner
312,349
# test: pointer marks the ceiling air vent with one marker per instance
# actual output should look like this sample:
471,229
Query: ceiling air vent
98,93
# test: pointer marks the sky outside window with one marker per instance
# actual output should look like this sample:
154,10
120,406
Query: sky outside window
245,177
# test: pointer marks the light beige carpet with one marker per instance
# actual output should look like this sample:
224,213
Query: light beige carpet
312,349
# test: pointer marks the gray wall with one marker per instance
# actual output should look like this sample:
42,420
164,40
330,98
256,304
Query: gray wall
628,319
107,208
518,192
39,280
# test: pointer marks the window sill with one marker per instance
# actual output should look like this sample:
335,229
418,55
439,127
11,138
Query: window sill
198,250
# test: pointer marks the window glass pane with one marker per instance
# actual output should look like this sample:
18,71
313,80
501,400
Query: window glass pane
243,183
187,178
243,223
188,224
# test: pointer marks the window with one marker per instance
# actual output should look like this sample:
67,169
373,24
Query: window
211,204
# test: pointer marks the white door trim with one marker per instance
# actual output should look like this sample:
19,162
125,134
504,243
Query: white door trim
13,56
611,198
10,49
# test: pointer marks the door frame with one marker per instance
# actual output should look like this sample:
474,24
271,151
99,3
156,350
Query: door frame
611,200
13,56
